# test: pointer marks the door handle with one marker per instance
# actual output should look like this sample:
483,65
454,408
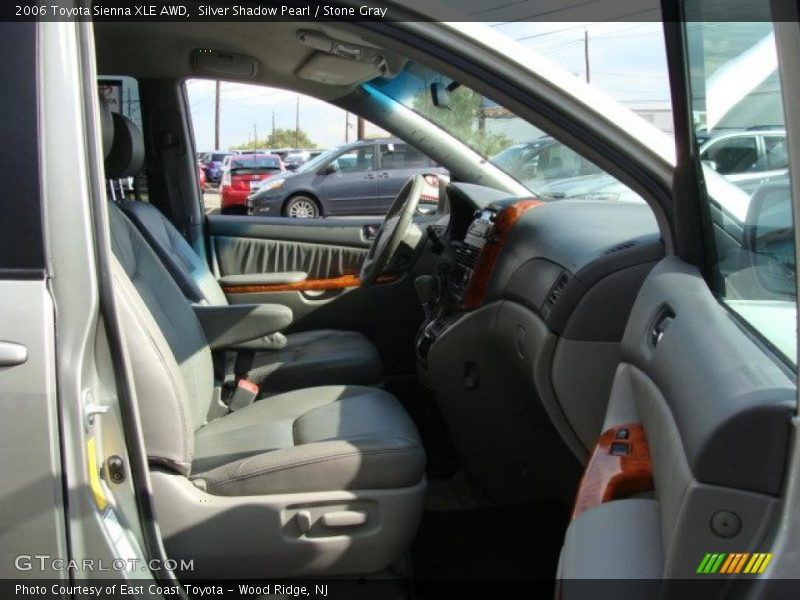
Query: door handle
12,354
370,232
665,317
369,176
383,175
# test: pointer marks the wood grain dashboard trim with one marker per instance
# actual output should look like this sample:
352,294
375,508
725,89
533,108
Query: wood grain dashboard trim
613,475
482,273
307,285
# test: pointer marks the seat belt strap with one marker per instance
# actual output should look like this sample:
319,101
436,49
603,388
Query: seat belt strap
243,364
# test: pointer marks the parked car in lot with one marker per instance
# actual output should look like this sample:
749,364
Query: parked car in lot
213,164
201,175
542,161
242,172
296,159
748,158
361,178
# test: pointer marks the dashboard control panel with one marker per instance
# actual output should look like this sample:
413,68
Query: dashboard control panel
467,254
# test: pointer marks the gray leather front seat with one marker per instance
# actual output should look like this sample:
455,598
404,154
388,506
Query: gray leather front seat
324,480
303,359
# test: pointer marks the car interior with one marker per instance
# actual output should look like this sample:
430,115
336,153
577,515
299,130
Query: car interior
425,395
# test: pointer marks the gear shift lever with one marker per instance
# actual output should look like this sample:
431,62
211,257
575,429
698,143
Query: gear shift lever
427,292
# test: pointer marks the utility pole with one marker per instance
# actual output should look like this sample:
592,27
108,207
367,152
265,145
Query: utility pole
586,52
255,137
216,116
297,124
346,127
273,123
359,128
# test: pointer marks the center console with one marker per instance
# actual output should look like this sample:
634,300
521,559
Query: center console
449,305
475,245
467,255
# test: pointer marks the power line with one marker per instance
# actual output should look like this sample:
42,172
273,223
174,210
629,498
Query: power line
538,35
485,10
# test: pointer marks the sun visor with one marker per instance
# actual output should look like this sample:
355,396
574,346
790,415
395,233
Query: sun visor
332,70
218,63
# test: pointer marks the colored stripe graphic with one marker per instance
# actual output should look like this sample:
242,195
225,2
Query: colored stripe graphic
714,563
703,563
726,566
740,563
767,558
733,563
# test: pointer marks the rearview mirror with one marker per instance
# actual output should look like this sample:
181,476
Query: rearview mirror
440,93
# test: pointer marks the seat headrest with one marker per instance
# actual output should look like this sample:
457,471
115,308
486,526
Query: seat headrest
106,126
127,151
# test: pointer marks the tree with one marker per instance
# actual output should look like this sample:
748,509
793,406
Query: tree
463,119
281,138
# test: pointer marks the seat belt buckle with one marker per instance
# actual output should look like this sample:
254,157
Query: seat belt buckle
243,395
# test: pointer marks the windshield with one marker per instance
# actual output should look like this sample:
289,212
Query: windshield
547,167
318,161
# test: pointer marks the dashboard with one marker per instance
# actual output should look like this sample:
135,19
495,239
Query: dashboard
523,342
543,255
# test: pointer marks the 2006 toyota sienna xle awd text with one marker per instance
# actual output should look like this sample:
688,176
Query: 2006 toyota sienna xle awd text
574,396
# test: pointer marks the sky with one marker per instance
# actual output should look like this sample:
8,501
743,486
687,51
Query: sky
626,60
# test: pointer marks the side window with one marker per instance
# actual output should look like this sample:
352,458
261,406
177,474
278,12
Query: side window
122,95
775,151
752,267
21,237
733,155
402,156
356,160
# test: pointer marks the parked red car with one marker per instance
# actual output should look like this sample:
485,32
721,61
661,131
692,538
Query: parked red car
242,173
201,176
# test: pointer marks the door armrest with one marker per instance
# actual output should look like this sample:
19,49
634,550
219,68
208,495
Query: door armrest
236,325
263,278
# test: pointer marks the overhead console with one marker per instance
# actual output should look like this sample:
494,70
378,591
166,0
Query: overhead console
521,343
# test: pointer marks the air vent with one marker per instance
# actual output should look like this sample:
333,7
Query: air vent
620,247
467,256
555,293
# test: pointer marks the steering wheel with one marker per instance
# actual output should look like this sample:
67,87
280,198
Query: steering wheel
393,230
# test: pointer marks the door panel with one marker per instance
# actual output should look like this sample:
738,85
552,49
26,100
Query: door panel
327,250
322,248
716,411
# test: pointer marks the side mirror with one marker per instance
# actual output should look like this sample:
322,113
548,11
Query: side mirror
711,164
329,169
292,167
769,238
